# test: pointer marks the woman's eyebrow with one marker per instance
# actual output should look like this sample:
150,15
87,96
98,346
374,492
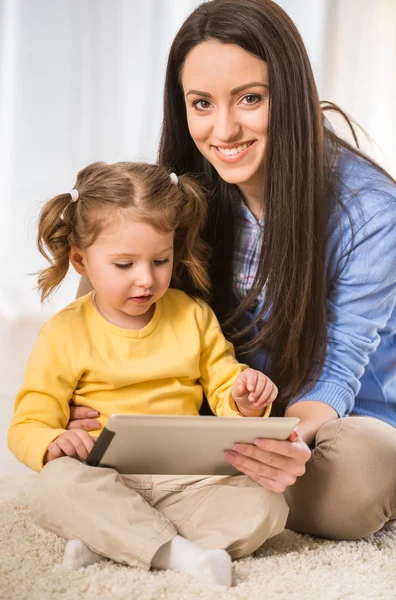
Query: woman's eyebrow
233,91
248,85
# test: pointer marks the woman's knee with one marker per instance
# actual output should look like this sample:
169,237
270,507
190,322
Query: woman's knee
349,489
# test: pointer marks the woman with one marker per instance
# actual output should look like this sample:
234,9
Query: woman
304,259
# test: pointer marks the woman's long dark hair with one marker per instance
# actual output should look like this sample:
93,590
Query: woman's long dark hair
299,193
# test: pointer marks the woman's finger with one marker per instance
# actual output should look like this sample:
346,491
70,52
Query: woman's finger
252,456
284,473
297,450
268,484
262,469
86,424
82,412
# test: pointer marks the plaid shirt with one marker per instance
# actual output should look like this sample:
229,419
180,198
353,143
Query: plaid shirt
246,254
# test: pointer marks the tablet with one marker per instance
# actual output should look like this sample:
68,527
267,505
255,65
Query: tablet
179,445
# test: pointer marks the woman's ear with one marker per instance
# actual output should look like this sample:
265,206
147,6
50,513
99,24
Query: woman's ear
77,259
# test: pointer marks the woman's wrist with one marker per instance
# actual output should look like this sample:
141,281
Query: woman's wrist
313,415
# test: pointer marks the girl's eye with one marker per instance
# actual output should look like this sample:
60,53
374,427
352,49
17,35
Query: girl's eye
251,99
158,263
123,265
201,104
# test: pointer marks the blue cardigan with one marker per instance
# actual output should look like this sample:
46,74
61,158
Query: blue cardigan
359,374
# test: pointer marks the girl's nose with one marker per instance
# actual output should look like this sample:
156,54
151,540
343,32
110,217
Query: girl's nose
144,278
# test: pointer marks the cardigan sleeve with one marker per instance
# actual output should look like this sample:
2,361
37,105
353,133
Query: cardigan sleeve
362,261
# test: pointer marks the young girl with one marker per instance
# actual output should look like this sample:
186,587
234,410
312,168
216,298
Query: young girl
134,346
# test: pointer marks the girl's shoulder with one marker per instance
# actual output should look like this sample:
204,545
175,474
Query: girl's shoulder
176,299
69,318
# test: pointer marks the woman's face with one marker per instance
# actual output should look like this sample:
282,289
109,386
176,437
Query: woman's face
226,95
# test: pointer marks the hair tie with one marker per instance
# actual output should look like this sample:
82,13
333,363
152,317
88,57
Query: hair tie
74,195
174,178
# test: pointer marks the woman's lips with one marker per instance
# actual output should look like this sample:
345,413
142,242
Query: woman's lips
233,158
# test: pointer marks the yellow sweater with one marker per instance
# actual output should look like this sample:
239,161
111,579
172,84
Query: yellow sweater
160,369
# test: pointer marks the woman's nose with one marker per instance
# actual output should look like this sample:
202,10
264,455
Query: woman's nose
226,127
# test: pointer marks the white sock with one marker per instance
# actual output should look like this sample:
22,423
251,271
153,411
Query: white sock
211,566
77,555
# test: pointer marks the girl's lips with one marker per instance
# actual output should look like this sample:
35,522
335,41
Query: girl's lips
141,299
233,158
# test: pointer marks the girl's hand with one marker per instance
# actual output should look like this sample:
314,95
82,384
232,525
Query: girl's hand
71,443
252,392
273,464
83,417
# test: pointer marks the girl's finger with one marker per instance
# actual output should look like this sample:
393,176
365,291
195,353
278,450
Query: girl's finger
86,440
262,391
269,395
273,395
54,450
251,379
79,442
66,446
255,396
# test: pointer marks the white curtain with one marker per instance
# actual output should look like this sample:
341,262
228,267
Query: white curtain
82,80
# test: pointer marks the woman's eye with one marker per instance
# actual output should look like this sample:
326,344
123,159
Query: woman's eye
251,99
201,104
158,263
123,265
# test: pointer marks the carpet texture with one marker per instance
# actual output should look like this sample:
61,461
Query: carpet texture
288,567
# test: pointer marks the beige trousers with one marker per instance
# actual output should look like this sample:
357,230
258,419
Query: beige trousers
349,488
129,517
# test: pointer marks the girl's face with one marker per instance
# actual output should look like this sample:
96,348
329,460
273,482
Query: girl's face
226,95
130,268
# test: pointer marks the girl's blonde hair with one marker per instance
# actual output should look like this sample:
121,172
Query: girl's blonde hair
141,190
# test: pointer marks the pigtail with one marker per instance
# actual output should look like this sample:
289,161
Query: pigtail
191,252
53,242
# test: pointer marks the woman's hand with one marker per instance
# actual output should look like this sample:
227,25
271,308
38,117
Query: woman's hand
83,417
274,464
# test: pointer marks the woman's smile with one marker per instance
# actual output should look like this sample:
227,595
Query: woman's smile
233,153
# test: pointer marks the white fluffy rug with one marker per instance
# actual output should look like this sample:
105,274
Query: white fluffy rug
288,567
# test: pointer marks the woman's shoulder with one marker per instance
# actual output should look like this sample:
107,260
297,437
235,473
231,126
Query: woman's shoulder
362,223
360,183
366,197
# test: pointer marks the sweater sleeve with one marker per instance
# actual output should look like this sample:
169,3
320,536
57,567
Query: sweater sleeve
218,365
362,260
42,404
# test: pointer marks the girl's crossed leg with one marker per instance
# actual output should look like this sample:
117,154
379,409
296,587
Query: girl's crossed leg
181,523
